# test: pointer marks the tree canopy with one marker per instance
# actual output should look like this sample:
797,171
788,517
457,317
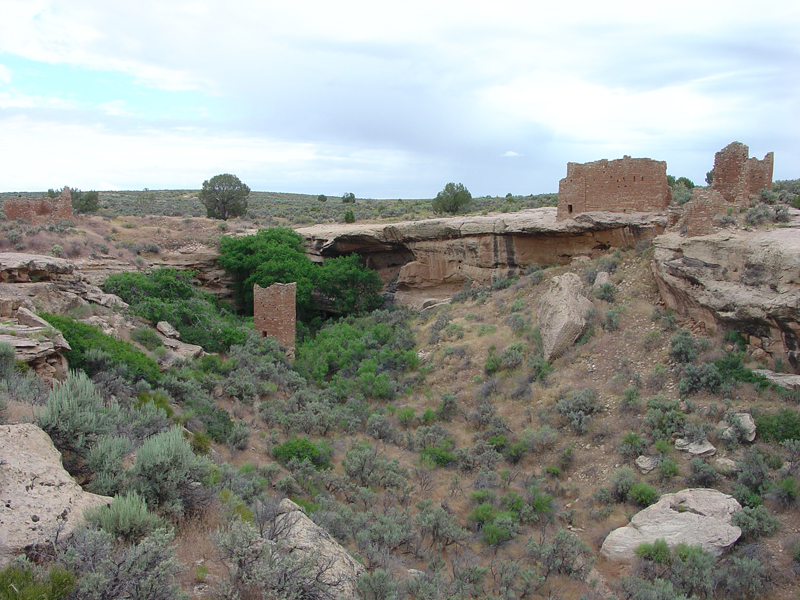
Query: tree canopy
453,198
277,255
224,197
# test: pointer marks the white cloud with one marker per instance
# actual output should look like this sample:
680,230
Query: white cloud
5,74
511,154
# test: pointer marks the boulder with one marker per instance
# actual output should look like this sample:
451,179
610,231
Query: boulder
692,516
180,351
602,278
41,503
746,423
563,313
790,382
164,328
301,534
647,463
704,448
726,466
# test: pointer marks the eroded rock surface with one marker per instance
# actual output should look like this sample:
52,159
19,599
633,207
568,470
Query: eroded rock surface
40,501
305,536
747,281
433,258
563,314
692,516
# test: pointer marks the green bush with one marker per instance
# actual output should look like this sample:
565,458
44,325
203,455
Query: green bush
642,494
169,295
166,471
577,408
82,337
453,198
780,426
622,480
74,418
657,552
682,347
302,449
126,517
29,583
755,522
438,455
7,361
606,292
147,338
632,445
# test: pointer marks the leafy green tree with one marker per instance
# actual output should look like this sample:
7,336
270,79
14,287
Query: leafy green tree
277,255
349,216
348,285
274,255
348,198
85,202
453,198
224,196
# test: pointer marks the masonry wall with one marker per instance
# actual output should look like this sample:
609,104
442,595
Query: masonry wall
737,177
622,185
275,313
39,210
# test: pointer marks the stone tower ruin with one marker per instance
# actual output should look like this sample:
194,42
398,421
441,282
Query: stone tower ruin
623,185
737,176
275,313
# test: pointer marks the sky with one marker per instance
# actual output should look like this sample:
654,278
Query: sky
388,99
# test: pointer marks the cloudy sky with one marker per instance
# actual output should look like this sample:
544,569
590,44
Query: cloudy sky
387,99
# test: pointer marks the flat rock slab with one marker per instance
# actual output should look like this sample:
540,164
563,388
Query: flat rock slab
704,448
39,498
692,516
747,424
647,463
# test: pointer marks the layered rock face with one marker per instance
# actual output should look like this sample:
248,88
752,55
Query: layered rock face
435,257
41,502
743,281
693,517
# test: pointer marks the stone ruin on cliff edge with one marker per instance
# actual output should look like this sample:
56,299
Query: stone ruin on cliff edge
38,210
275,313
735,178
623,185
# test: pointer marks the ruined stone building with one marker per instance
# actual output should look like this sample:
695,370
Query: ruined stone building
275,313
40,210
623,185
737,176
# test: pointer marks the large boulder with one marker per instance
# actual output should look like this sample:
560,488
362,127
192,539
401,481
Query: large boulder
692,516
563,313
41,503
301,534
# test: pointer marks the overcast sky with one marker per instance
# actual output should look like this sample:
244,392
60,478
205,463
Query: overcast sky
388,99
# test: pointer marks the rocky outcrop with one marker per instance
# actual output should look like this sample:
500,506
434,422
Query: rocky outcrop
702,448
46,284
744,427
745,281
302,535
35,343
432,259
563,314
692,516
41,503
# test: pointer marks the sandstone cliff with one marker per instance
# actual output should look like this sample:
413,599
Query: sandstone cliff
747,281
435,257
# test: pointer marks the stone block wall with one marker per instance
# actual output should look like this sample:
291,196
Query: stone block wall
624,185
39,210
698,215
275,313
737,177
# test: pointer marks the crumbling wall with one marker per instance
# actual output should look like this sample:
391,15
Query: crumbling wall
698,215
275,313
623,185
737,177
40,210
